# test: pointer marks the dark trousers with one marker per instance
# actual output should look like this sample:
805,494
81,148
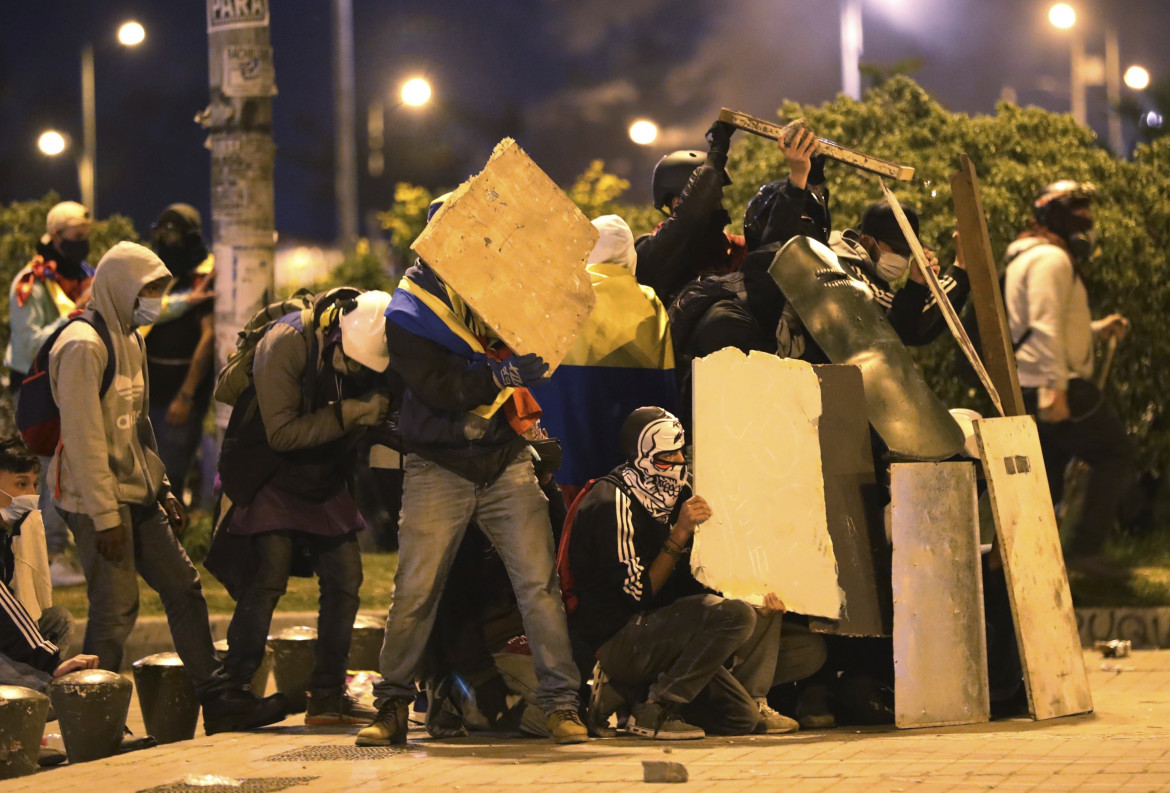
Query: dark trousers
338,565
1097,436
680,650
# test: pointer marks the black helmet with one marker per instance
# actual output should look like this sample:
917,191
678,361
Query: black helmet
1056,202
182,218
672,173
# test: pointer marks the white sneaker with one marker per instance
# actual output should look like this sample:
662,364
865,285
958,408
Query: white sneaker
64,572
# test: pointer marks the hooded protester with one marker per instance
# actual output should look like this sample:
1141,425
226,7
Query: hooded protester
622,358
636,609
180,345
316,376
110,484
1053,333
44,293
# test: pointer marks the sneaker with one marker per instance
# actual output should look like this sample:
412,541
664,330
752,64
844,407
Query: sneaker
63,571
389,726
772,722
336,708
565,726
604,701
238,709
442,719
660,722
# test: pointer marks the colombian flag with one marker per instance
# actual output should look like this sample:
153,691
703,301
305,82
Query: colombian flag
622,360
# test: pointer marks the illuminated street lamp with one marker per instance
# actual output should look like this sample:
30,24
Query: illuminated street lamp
1137,78
643,132
51,143
1062,15
416,92
130,34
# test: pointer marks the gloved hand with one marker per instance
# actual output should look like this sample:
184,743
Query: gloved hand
817,174
364,411
719,137
518,370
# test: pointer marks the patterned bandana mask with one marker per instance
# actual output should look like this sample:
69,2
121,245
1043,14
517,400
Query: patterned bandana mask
657,485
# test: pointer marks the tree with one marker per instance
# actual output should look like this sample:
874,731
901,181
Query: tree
1016,152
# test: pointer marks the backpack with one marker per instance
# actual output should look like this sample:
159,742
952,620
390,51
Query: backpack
38,418
236,374
564,570
692,304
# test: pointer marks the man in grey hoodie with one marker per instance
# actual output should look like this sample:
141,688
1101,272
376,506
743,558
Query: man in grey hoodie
110,485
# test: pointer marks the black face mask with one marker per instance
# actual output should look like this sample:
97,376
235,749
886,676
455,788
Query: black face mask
71,253
181,259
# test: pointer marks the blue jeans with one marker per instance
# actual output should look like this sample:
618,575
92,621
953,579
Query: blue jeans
177,445
512,511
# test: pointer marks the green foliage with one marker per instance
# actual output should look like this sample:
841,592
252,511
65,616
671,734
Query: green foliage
1016,152
365,266
596,193
23,222
406,217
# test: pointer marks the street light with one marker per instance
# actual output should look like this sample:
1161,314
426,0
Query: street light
643,132
1062,15
1137,78
416,92
51,143
130,34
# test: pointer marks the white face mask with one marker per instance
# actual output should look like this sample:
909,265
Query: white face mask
147,311
892,266
20,506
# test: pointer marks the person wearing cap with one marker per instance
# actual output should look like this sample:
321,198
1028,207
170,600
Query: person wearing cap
878,255
43,294
1053,334
180,346
317,375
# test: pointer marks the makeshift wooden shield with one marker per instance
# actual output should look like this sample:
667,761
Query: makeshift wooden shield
514,247
853,506
1025,525
758,464
940,644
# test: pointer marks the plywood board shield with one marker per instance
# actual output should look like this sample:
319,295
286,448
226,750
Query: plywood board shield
940,644
1025,526
514,246
758,464
853,507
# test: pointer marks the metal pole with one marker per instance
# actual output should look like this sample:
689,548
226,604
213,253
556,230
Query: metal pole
1077,60
344,112
851,47
1113,90
242,82
86,172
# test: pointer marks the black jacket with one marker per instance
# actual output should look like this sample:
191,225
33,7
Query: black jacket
613,543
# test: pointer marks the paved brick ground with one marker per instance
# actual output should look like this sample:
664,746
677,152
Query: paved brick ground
1124,746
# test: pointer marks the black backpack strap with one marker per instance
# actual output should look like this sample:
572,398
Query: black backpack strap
98,323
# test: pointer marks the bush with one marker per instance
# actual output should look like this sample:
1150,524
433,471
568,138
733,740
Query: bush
1016,152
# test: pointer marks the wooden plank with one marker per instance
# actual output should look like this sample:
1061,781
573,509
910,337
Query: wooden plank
940,644
853,507
1046,628
514,246
758,463
986,296
833,151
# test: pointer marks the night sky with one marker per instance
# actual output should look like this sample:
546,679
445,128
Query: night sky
564,78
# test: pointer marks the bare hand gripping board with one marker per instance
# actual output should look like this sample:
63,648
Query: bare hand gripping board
758,464
940,644
514,246
1025,527
833,151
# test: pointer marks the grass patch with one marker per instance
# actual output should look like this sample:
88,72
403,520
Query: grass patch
377,584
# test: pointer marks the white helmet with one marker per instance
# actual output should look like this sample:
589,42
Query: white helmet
363,331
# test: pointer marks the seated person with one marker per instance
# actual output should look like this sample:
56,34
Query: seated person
708,661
